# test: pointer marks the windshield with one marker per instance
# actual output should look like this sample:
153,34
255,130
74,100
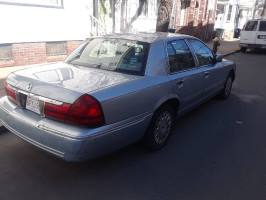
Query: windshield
120,55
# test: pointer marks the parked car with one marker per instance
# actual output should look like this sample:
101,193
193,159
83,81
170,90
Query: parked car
113,91
253,35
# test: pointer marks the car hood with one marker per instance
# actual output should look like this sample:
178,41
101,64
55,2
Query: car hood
62,81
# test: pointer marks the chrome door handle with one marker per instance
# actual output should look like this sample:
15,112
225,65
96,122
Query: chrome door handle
180,83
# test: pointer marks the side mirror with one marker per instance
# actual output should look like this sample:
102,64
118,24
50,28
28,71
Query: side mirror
218,58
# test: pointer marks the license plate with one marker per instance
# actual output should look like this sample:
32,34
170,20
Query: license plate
33,104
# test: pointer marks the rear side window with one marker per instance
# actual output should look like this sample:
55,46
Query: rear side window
262,26
180,57
251,26
203,53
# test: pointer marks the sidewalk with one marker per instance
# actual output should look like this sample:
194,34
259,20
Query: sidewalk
227,47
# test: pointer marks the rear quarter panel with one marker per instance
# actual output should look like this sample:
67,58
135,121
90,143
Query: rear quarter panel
135,98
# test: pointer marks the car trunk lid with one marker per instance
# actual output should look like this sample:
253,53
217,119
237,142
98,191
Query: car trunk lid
65,82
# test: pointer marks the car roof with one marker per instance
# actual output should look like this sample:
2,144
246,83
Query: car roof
147,37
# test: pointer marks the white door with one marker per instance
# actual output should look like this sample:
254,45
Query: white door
248,34
261,33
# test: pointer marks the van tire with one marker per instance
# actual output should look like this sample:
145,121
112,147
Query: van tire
243,49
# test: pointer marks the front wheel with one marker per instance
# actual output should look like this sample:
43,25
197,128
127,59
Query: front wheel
160,129
225,93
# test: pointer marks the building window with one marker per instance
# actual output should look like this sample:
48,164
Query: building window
38,3
229,14
220,9
5,52
56,48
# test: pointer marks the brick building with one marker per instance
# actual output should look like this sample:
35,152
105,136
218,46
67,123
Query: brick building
194,17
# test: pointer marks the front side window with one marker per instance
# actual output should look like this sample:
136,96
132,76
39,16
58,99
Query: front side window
262,26
180,57
203,53
120,55
251,26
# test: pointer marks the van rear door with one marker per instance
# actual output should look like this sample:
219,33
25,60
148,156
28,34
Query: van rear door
248,34
261,33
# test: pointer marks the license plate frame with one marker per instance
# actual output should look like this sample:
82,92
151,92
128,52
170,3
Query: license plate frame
33,104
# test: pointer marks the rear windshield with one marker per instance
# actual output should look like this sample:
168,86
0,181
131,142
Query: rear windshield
120,55
251,26
262,26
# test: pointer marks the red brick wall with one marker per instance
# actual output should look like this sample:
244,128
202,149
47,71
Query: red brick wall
28,53
199,21
34,53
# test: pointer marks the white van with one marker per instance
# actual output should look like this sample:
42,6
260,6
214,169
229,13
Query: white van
253,35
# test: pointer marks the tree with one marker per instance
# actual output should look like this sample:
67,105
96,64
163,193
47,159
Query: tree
163,18
142,3
164,13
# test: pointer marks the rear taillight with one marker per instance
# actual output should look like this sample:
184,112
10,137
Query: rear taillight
10,92
85,111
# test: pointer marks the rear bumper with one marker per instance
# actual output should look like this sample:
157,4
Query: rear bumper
259,46
68,142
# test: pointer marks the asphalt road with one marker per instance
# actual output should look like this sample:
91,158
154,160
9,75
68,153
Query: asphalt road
217,152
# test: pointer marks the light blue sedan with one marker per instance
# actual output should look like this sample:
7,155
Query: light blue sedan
113,91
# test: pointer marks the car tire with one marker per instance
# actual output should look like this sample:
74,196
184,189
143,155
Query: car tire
160,128
243,49
225,93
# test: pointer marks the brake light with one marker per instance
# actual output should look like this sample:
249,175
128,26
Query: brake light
10,92
85,111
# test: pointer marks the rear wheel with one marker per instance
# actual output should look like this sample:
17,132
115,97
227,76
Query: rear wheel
160,128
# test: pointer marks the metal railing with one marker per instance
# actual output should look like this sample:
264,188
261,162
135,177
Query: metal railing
97,28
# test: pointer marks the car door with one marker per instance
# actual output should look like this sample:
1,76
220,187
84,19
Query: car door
213,73
186,79
248,34
261,33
